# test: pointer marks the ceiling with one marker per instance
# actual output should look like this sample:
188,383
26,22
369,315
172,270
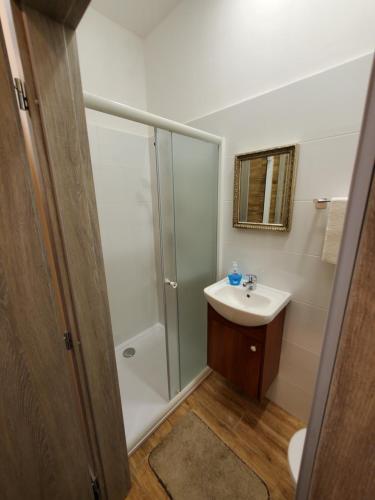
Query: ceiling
139,16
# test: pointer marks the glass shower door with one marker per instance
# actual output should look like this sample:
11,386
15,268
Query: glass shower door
188,187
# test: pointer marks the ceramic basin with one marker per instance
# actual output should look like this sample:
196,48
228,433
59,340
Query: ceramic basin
246,307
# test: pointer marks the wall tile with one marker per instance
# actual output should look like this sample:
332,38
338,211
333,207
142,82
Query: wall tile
291,397
305,237
307,278
325,167
305,326
128,248
126,219
299,366
127,184
118,148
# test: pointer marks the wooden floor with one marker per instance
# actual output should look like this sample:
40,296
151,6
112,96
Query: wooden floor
257,433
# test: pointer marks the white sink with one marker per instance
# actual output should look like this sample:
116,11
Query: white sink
246,307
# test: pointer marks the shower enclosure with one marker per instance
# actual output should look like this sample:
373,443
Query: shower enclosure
157,205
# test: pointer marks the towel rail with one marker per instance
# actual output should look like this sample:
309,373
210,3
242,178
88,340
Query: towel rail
321,202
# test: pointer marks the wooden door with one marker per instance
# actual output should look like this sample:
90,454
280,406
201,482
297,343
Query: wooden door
233,353
42,453
250,361
51,69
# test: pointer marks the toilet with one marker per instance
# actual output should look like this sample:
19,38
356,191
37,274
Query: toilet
295,450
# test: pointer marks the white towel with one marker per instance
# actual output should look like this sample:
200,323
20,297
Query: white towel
335,224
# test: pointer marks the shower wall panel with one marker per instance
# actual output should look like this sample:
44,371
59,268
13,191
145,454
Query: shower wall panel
121,167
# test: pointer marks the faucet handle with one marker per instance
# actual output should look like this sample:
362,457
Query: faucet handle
252,278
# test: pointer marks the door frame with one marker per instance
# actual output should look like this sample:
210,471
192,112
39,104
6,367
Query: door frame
71,226
356,211
37,368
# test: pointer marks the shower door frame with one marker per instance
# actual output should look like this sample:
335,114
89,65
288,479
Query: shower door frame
174,379
113,108
166,156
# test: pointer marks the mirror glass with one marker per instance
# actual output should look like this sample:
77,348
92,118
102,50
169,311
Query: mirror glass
263,187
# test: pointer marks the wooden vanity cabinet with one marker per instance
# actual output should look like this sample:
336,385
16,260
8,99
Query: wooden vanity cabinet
247,356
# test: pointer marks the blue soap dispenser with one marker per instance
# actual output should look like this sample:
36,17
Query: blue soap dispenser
234,275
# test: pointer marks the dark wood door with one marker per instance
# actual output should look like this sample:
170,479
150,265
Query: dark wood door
234,355
250,356
42,454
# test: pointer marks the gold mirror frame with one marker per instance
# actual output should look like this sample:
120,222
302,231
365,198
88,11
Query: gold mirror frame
288,192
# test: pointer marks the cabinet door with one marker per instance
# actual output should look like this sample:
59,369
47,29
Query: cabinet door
250,356
42,453
234,355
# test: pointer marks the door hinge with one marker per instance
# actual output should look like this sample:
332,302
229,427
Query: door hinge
21,94
68,340
95,488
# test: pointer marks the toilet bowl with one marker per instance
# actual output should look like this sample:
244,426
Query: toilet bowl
295,450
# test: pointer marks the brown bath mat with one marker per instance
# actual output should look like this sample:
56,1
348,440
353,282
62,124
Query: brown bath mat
192,463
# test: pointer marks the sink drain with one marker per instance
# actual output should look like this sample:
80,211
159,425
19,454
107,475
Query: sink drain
129,352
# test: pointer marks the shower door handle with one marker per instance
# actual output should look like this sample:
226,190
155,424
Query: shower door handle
173,284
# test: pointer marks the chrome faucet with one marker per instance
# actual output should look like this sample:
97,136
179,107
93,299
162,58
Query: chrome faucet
251,281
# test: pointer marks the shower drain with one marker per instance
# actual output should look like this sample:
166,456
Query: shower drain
129,352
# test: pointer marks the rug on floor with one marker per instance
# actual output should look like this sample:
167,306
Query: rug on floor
192,463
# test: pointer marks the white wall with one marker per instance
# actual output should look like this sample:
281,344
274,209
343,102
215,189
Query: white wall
322,114
112,66
121,168
210,54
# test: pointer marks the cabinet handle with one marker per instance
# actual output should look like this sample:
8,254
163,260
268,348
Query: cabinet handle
253,348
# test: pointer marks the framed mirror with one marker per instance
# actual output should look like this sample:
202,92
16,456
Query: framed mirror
263,189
